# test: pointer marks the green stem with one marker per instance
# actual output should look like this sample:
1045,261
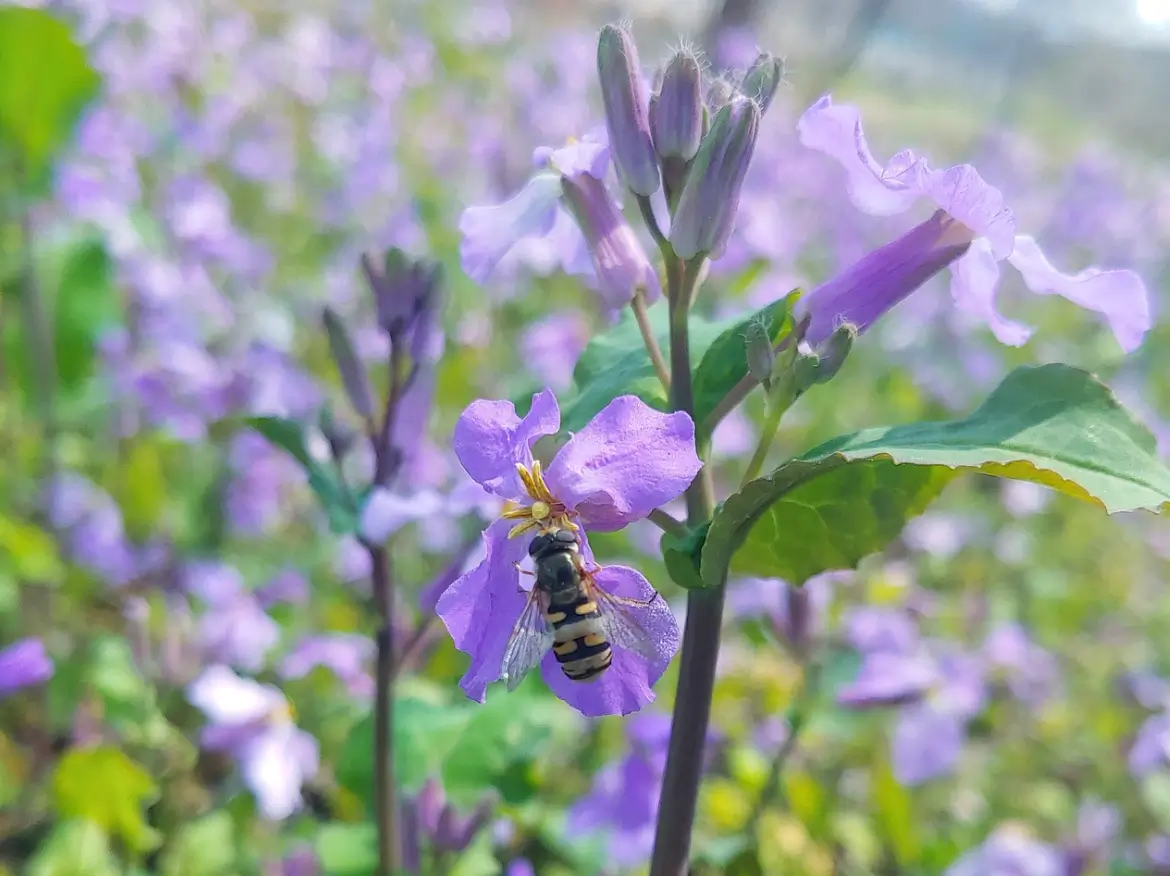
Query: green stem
798,716
771,424
665,522
700,645
642,315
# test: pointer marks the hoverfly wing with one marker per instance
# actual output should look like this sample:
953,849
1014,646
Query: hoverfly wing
530,640
620,625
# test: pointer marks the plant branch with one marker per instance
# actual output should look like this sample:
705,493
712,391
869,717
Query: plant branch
651,221
798,716
386,461
700,645
642,315
767,436
666,522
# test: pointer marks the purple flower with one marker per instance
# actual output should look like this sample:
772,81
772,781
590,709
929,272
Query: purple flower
971,232
625,794
90,523
1151,746
520,867
1031,671
386,512
551,345
621,266
252,721
287,587
626,462
234,628
344,654
23,664
937,688
491,233
1010,852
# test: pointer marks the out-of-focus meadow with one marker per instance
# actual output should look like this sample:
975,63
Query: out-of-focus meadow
162,276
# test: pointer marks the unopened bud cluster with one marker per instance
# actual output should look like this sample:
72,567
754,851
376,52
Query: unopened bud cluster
694,139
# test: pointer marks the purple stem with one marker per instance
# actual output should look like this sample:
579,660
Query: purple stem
700,645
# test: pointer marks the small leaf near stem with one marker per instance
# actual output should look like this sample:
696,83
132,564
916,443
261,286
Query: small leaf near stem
642,315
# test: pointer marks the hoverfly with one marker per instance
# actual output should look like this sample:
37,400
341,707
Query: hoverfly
570,613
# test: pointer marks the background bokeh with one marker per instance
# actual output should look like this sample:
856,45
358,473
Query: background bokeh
167,283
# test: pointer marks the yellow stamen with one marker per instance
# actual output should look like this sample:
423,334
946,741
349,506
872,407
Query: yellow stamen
546,512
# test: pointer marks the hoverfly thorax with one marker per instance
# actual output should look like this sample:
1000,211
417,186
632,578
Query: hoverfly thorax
556,556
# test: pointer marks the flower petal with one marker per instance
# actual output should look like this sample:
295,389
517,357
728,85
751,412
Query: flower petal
627,685
626,462
490,232
275,766
965,196
23,663
974,278
225,698
490,439
481,608
837,132
926,744
1120,296
386,512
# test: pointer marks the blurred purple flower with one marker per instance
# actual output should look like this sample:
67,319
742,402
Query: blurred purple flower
1010,852
346,655
626,461
549,347
1150,750
287,587
234,628
624,799
430,822
971,232
257,495
24,663
90,523
302,862
520,867
1098,826
1031,671
937,688
252,722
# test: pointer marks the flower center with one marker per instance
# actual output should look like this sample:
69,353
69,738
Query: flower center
546,511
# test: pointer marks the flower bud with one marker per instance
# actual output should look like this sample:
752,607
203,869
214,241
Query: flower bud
627,117
404,289
455,832
620,262
762,79
705,216
676,112
761,358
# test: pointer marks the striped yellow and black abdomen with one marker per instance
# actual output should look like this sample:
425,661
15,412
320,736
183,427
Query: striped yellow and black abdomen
579,643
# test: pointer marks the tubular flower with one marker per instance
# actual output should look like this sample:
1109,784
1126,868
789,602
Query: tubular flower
627,461
972,232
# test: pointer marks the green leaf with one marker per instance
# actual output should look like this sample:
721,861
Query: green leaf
424,734
29,552
339,506
506,730
45,84
128,699
74,847
347,849
1051,424
477,859
724,364
85,306
682,554
894,813
104,786
616,363
202,848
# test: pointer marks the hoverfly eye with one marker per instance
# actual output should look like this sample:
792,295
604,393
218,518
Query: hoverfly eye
538,544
